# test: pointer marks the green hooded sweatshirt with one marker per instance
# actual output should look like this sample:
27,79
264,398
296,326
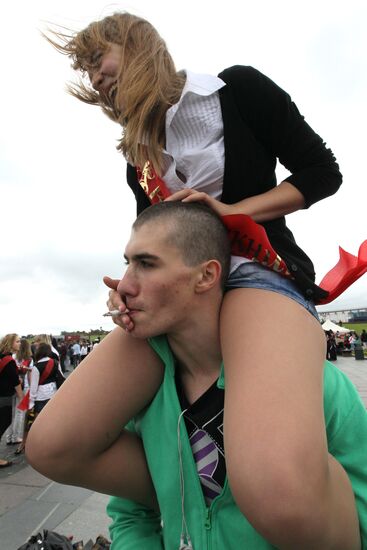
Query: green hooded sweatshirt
222,525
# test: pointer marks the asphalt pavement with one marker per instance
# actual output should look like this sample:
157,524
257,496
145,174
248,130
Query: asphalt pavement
29,502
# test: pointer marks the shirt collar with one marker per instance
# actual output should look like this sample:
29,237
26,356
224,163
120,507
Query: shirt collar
199,84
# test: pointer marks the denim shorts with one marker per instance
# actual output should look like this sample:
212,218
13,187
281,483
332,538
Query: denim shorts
254,275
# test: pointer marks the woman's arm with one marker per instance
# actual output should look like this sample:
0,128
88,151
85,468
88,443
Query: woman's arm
19,392
33,388
276,123
279,201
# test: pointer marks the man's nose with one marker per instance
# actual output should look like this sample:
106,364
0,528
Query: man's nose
127,285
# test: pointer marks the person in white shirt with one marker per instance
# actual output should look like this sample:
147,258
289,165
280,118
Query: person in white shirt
41,391
76,354
24,362
83,350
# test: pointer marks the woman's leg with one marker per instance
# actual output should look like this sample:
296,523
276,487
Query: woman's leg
10,434
5,421
18,423
274,431
87,414
5,418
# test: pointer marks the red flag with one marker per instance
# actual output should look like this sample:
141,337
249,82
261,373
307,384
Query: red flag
348,269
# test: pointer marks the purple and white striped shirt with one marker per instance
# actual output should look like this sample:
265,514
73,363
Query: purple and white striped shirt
204,424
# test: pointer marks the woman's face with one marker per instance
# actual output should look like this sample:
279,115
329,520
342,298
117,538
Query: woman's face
105,73
16,344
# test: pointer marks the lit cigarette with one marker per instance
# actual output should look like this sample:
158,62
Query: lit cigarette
112,313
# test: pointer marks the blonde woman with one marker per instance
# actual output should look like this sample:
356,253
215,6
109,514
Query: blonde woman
47,339
23,359
9,383
24,362
214,139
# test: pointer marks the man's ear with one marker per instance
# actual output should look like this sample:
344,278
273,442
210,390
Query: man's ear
209,276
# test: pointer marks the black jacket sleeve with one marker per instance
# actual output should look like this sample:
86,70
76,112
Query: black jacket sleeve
276,122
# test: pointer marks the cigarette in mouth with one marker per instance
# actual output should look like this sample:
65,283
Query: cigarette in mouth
112,313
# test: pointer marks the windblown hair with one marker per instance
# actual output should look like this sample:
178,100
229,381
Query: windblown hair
25,352
148,83
195,229
7,343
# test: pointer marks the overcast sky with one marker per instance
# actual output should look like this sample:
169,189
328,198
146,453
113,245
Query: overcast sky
66,210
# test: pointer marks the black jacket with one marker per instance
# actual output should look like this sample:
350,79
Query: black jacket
261,125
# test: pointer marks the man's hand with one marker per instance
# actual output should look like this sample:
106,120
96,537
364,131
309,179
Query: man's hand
116,303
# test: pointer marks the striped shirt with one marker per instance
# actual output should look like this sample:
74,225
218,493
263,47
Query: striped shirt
204,425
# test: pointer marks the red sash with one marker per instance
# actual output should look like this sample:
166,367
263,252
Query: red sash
153,186
24,404
249,239
4,361
24,366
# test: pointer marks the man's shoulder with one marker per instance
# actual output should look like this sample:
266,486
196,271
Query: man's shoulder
162,348
341,399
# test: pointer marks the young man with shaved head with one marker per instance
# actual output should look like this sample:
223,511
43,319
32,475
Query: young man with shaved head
186,494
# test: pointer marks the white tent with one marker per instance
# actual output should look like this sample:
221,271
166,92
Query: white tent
329,325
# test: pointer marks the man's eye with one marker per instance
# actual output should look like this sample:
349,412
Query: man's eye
145,264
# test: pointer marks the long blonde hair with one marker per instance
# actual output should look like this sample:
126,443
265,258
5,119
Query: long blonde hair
7,343
43,339
25,351
148,83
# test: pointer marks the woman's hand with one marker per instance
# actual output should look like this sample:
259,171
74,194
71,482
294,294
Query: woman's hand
116,303
275,203
191,195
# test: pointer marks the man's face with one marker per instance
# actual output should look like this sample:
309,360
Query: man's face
157,287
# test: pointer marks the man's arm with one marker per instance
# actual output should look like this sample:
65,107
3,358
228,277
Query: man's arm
134,526
347,438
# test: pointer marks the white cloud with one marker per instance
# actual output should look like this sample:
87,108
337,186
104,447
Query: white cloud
66,209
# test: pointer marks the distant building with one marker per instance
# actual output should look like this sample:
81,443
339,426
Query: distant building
344,315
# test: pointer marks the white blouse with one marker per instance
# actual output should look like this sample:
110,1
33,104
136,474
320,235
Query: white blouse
37,392
194,153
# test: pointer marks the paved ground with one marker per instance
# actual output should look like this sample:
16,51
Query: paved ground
30,502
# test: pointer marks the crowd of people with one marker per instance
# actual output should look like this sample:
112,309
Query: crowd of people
72,353
30,374
337,342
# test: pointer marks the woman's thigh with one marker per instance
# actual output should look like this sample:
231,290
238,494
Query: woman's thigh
273,351
254,275
111,385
